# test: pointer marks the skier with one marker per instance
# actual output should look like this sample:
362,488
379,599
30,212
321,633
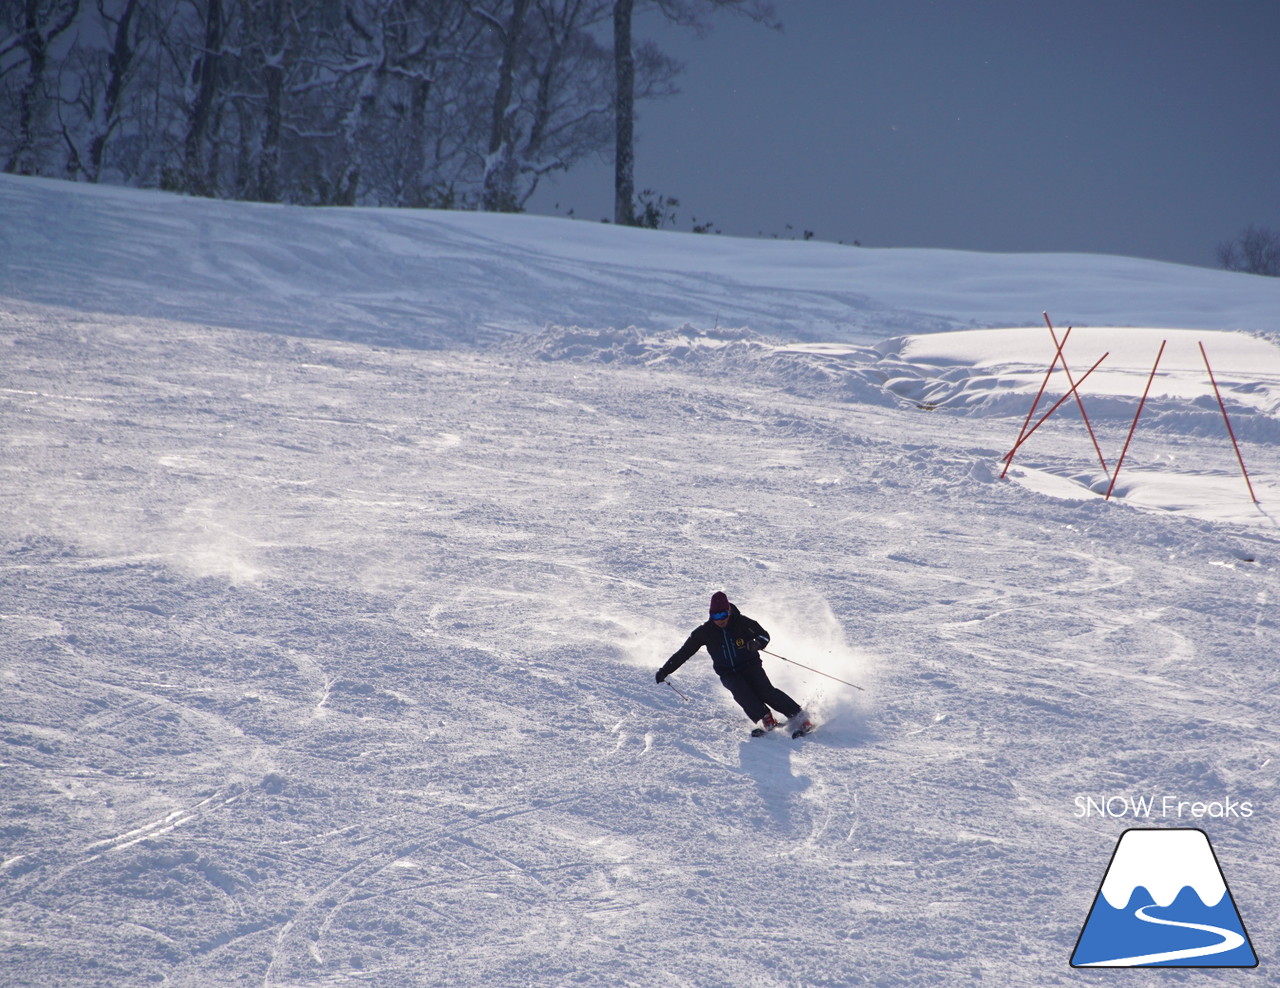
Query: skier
734,641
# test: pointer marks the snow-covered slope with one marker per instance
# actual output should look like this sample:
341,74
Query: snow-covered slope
324,662
426,278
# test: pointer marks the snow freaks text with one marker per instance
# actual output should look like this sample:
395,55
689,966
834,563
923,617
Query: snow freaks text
1162,807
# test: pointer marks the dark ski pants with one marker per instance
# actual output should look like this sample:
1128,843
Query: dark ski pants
755,694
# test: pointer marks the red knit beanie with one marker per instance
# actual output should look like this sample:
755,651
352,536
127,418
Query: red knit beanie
719,602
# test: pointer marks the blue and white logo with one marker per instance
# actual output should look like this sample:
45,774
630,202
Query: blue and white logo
1164,903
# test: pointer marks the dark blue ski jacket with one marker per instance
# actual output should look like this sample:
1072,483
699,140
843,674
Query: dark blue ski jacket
734,648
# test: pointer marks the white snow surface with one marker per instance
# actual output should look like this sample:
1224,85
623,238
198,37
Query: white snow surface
425,278
340,548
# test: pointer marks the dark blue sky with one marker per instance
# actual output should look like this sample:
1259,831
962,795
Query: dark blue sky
1141,127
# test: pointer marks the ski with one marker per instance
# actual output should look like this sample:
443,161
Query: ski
806,728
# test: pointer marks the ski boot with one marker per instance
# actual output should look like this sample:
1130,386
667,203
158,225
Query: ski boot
767,724
800,725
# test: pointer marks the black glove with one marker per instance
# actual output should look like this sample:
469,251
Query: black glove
660,676
755,644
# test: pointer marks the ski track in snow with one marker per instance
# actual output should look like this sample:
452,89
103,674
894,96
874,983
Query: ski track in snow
323,662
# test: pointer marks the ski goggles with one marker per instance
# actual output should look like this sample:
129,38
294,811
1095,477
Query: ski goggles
719,615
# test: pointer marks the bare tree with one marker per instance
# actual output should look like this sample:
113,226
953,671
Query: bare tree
566,110
31,28
689,13
624,111
406,81
1255,251
272,50
499,162
102,73
205,81
551,106
453,103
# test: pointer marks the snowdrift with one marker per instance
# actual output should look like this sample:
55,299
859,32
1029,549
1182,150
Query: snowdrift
424,278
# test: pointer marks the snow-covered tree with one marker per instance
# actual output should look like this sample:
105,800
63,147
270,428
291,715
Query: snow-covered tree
461,103
204,82
29,99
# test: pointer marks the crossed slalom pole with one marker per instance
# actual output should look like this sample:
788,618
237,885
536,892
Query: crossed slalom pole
1024,433
1027,429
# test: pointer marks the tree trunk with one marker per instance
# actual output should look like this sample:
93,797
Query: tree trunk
274,43
119,63
624,156
35,41
198,177
499,177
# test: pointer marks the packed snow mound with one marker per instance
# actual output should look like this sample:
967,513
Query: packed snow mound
686,345
991,373
836,371
999,372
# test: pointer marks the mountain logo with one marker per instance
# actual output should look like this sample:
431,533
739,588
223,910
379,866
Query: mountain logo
1163,902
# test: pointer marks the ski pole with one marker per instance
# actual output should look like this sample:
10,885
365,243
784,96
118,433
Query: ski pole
810,668
678,693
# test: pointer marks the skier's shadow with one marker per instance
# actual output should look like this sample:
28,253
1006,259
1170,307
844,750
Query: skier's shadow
768,761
